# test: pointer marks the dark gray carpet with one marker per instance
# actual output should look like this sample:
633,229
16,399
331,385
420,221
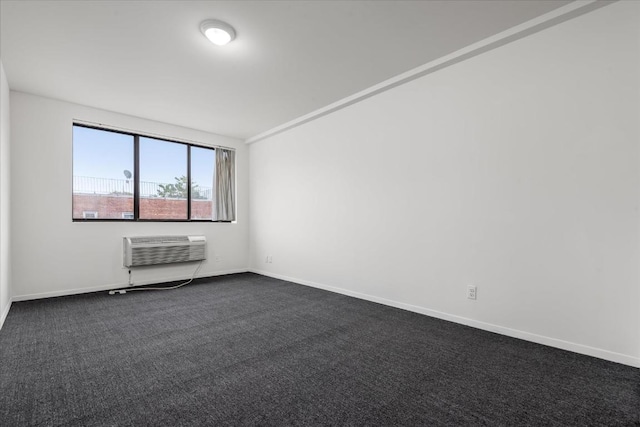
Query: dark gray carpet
250,350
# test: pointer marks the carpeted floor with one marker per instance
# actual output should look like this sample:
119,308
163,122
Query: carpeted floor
250,350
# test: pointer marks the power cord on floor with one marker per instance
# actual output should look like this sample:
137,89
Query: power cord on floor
124,291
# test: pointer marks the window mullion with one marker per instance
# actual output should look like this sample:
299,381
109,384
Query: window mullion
189,182
136,177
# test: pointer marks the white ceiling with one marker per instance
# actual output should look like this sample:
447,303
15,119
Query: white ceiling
149,59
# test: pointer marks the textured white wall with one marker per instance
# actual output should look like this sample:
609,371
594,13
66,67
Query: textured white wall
53,255
516,171
5,191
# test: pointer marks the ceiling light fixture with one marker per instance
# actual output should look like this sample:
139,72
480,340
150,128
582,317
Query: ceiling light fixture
218,32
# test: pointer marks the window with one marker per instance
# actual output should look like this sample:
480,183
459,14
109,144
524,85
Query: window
101,162
163,179
129,177
202,168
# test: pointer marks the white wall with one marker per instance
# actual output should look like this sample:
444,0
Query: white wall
516,171
5,259
51,255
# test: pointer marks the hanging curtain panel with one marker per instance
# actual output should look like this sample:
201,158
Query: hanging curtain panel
225,201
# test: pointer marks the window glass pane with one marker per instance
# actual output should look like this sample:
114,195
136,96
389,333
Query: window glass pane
202,166
163,179
102,174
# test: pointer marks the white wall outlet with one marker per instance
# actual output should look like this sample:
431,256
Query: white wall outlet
472,292
269,259
217,258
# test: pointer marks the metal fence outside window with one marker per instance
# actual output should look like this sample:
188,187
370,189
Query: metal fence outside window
124,187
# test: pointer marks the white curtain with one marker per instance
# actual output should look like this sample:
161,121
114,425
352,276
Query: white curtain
224,208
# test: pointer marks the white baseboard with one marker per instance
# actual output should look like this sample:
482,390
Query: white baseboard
76,291
5,313
527,336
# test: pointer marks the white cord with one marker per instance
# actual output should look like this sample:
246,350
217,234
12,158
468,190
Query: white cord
124,291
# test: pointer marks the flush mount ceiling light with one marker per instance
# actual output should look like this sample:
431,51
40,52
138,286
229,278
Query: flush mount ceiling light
218,32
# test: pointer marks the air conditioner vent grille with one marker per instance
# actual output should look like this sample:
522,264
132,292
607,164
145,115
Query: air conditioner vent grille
159,239
152,250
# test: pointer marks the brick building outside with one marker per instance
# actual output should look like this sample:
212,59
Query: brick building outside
98,198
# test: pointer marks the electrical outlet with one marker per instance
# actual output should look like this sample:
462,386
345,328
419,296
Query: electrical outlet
217,258
270,261
472,292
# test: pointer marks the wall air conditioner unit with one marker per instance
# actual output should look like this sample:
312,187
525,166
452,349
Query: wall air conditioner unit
152,250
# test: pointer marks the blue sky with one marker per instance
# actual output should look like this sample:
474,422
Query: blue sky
104,154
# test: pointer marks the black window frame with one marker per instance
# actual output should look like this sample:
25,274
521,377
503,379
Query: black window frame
136,178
